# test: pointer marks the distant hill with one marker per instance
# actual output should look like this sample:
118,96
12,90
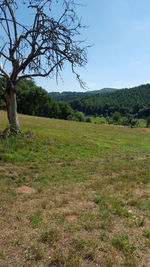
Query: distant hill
68,96
134,101
107,90
34,100
105,102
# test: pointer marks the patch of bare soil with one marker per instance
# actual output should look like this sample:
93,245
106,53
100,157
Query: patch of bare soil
25,190
141,158
71,218
140,192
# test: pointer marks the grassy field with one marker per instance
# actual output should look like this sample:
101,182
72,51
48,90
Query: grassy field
87,197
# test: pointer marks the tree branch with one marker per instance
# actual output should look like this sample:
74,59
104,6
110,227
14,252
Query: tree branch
3,71
8,29
44,46
6,57
13,19
40,74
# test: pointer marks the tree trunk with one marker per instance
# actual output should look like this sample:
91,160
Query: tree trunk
11,103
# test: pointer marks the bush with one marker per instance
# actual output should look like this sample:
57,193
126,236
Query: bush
88,119
76,116
116,117
148,122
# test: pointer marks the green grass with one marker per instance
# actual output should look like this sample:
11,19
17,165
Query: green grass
36,219
98,120
122,243
91,204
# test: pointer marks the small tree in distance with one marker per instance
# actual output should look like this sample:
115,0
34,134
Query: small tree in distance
37,47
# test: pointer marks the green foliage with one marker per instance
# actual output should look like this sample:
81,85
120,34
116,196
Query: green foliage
88,119
34,100
98,119
134,101
148,122
116,117
77,116
70,96
121,107
60,110
127,120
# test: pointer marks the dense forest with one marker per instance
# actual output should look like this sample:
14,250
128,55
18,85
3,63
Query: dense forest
135,101
104,102
68,96
34,100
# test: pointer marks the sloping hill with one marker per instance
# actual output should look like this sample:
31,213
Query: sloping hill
69,96
74,194
135,101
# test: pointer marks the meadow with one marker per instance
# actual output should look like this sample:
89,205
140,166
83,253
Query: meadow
74,194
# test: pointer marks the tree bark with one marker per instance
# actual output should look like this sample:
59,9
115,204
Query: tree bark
11,103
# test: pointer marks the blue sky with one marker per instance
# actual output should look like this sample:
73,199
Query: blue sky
120,56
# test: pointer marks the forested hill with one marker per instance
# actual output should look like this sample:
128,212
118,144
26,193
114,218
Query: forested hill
34,100
68,96
134,101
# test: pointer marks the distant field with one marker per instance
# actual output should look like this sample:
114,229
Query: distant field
87,197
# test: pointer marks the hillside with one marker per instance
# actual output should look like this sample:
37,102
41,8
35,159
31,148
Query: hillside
105,102
135,101
69,96
34,100
74,194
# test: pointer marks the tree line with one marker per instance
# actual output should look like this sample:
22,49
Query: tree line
134,101
34,100
118,107
68,96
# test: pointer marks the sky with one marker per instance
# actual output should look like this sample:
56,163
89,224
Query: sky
119,32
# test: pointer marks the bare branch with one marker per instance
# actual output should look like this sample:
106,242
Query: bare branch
42,48
8,28
3,71
13,18
41,74
6,57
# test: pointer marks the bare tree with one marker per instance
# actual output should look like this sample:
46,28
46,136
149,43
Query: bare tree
37,47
